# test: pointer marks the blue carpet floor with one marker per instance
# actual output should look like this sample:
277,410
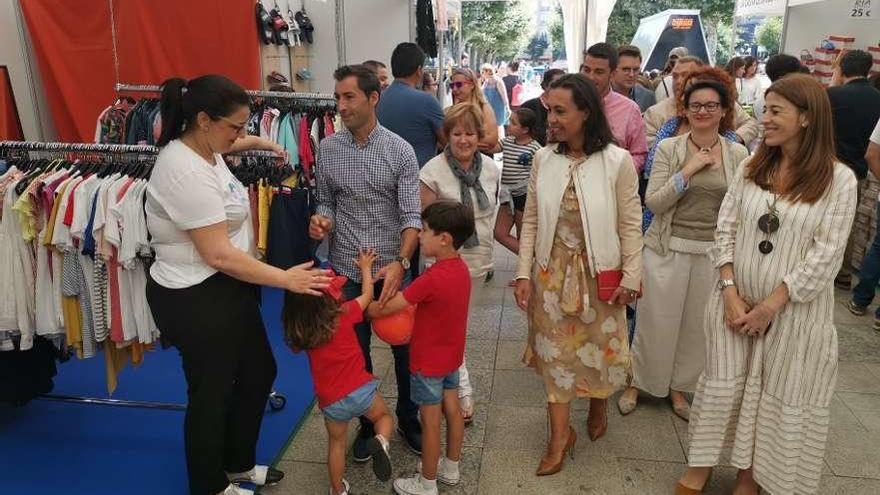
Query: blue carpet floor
53,447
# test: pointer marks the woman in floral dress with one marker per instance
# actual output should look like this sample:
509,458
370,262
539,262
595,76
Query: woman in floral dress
582,218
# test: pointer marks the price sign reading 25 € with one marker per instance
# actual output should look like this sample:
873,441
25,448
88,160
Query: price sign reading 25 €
861,9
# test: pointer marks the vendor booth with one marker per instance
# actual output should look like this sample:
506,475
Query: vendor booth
662,32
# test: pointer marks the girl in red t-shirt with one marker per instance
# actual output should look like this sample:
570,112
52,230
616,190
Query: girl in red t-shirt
324,328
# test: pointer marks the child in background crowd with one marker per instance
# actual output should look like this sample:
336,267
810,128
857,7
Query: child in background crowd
437,343
519,148
324,328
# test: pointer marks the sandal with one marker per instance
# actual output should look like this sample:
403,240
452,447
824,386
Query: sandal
467,409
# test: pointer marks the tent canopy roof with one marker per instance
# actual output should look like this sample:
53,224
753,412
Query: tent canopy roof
662,32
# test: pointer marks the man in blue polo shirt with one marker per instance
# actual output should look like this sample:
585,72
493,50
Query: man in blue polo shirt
412,114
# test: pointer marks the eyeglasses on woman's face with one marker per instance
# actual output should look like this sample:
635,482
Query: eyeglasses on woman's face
711,107
235,126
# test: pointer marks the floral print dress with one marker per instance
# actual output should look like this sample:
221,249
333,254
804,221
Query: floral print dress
576,342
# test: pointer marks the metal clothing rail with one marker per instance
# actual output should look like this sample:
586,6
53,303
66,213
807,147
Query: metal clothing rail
87,147
276,401
149,88
107,148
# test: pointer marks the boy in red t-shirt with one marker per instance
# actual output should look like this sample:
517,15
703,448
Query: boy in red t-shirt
324,328
437,344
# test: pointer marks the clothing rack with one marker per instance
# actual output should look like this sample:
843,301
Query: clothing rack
276,401
149,88
74,147
106,148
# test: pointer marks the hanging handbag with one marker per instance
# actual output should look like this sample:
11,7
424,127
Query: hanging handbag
607,281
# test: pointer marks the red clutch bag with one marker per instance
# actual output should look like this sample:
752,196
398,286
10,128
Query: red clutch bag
608,281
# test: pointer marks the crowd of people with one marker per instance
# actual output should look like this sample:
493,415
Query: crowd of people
657,255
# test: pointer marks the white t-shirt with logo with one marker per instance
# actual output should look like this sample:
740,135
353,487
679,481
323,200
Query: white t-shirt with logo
186,192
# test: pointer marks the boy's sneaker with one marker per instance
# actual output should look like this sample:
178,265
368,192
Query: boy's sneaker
236,490
415,486
856,309
378,448
360,452
447,471
345,488
259,475
877,324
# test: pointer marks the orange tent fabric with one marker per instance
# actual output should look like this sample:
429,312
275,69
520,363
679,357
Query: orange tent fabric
155,40
10,126
74,51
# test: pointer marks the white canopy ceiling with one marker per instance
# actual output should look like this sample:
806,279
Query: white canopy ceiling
586,23
767,7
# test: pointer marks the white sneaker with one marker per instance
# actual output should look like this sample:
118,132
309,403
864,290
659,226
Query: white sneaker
345,488
415,486
233,489
447,471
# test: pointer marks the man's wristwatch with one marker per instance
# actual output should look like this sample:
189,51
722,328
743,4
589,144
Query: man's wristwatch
404,262
725,283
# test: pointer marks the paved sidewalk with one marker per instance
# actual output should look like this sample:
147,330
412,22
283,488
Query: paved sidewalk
643,453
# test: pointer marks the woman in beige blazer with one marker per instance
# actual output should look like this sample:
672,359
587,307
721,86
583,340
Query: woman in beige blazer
581,218
687,184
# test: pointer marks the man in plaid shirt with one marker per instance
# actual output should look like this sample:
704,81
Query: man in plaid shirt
368,197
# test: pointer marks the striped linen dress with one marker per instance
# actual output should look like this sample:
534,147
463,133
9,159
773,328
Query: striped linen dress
763,402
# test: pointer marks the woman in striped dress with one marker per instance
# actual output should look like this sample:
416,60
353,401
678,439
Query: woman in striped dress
762,401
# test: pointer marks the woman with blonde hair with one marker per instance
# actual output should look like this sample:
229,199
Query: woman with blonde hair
461,173
495,93
763,399
466,88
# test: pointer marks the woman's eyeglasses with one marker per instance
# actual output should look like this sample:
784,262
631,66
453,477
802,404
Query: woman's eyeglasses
458,84
710,107
768,223
238,128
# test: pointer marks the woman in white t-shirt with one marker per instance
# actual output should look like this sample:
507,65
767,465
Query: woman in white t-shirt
203,287
461,173
748,87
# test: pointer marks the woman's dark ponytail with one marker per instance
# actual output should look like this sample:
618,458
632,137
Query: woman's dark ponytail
171,108
182,101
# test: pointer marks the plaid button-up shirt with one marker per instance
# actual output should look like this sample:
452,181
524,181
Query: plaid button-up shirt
370,192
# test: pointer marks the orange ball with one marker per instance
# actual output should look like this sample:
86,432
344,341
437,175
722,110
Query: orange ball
396,328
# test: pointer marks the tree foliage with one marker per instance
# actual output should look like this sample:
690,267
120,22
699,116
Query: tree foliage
537,45
557,34
494,31
726,42
769,34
